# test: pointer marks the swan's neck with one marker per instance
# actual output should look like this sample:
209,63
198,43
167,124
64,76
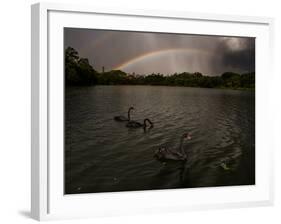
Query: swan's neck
146,120
181,146
129,114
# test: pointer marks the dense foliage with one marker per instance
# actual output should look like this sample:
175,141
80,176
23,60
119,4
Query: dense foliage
78,71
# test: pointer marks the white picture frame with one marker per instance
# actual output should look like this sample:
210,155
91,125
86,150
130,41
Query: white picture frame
47,198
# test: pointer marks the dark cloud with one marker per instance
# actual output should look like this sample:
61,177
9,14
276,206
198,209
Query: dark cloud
144,53
242,58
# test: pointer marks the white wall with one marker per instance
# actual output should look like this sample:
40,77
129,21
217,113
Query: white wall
15,110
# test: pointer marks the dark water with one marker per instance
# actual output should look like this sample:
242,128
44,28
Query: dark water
102,155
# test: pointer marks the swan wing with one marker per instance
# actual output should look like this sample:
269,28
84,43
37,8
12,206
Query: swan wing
168,154
175,155
133,124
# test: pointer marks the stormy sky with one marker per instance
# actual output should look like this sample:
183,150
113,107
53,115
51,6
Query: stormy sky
146,53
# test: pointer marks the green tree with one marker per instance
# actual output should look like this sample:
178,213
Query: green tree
86,72
78,71
71,57
231,79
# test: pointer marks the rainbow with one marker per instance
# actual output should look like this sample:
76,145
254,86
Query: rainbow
155,54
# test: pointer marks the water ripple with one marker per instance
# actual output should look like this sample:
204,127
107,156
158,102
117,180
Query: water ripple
103,155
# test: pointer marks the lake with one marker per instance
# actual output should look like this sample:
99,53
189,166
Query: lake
102,155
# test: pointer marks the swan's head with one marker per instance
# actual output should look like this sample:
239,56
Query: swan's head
187,136
149,121
131,108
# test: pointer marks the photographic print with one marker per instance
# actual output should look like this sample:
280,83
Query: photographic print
152,111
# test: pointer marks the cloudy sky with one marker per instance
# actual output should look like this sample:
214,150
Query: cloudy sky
146,53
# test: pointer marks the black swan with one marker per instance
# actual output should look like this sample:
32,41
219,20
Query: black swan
163,154
135,124
123,118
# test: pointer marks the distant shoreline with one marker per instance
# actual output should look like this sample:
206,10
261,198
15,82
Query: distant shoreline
78,72
226,88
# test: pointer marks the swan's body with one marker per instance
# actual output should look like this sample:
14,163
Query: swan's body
136,124
164,154
123,118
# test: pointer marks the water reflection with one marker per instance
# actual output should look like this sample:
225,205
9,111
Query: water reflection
103,155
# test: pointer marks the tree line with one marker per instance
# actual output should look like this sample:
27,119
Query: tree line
78,71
